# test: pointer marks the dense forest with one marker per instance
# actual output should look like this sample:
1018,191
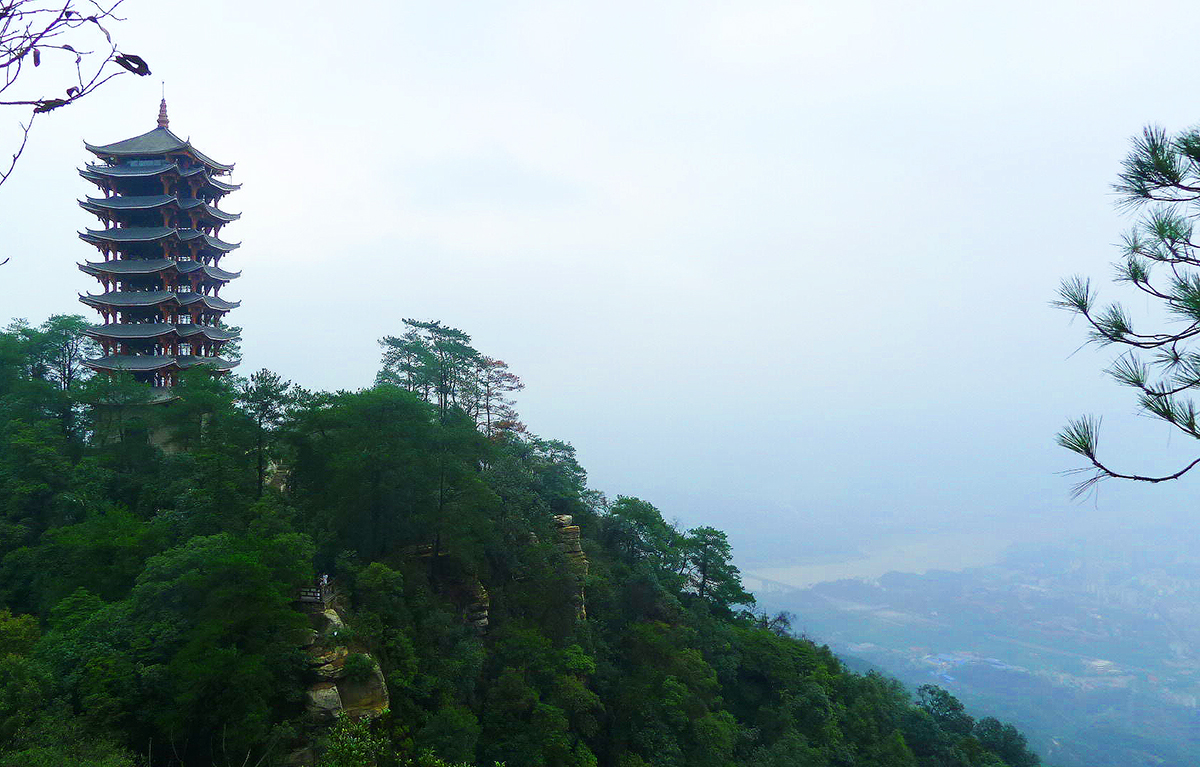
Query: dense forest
151,554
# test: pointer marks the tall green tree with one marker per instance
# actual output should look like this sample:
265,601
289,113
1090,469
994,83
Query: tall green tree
57,349
637,530
1005,741
946,710
264,396
51,357
435,361
495,410
709,568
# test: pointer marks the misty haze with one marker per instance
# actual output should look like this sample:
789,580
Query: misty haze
772,383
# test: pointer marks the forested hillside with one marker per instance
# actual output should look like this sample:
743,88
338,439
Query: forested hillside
150,556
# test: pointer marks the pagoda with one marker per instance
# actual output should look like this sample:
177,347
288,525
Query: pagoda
160,255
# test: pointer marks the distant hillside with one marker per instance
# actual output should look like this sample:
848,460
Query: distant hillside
1089,648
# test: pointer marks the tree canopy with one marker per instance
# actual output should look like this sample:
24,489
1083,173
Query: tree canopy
150,554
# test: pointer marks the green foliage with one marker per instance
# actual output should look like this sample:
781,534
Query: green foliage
1158,260
1005,741
145,593
57,738
709,568
18,633
264,398
946,710
350,743
452,731
358,667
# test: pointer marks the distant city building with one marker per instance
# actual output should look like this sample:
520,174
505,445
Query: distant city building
161,306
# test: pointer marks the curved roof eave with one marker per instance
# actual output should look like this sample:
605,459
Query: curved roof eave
191,234
132,362
131,331
127,266
147,202
218,363
131,171
140,267
217,273
221,215
140,171
130,299
129,234
208,331
150,330
211,302
153,234
221,245
224,186
159,141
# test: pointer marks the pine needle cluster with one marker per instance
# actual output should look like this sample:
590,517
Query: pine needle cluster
1159,258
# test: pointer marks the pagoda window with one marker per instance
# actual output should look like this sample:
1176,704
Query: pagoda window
185,349
184,319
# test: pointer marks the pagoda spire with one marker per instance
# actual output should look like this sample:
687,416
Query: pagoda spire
162,114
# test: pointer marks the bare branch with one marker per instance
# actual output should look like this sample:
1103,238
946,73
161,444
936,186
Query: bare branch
1103,472
34,30
4,174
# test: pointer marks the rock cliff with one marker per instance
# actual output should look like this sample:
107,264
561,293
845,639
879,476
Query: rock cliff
576,561
345,678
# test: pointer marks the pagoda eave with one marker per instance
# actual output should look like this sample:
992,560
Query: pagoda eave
145,299
145,331
145,363
213,272
152,144
153,331
220,364
133,268
133,363
91,172
139,235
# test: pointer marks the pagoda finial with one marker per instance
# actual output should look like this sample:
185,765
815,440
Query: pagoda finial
162,114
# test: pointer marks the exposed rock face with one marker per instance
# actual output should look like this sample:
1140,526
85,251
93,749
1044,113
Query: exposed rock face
301,757
334,691
478,604
324,701
332,663
576,560
364,697
327,623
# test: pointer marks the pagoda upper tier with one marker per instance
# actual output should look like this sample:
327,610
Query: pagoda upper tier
160,273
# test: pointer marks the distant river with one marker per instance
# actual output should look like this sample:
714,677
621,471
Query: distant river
909,553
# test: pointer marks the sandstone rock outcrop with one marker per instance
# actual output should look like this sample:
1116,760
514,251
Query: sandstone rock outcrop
478,604
335,689
576,561
324,702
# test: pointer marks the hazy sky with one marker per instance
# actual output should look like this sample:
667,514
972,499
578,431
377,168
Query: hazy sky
779,267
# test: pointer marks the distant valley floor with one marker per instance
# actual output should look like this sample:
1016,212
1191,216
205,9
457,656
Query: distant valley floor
1088,648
